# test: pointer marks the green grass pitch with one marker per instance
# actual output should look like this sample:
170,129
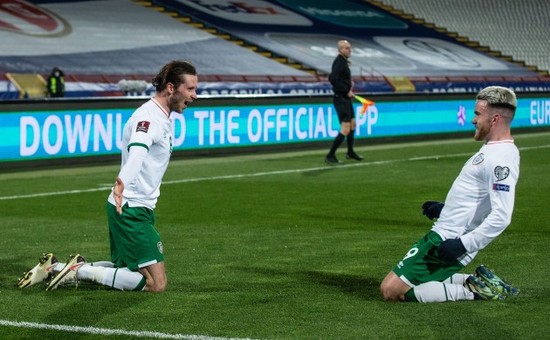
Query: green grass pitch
274,246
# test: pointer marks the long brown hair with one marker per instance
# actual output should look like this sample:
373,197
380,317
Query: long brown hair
172,73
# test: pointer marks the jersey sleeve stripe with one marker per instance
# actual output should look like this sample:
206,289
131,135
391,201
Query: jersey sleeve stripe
138,144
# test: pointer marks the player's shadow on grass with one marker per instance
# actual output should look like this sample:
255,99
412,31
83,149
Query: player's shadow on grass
92,302
12,269
358,286
85,304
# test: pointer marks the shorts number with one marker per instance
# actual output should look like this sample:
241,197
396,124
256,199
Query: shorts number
409,254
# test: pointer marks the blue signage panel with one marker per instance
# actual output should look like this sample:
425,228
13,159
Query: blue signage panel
31,135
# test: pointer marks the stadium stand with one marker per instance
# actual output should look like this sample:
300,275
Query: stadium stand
261,46
517,28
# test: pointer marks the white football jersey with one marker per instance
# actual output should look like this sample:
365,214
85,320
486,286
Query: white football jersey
480,203
149,127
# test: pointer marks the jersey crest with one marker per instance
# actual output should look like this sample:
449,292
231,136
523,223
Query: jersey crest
143,126
478,159
501,173
160,247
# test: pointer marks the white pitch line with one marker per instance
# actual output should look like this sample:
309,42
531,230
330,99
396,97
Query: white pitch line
53,193
319,168
259,174
236,176
108,331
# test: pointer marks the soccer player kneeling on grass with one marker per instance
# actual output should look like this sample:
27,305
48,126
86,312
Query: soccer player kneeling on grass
137,256
477,209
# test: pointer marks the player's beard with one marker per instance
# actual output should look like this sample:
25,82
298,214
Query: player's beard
481,132
175,103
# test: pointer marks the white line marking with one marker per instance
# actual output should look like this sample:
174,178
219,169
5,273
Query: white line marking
259,174
107,331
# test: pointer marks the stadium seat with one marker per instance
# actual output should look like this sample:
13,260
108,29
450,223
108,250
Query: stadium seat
500,25
29,85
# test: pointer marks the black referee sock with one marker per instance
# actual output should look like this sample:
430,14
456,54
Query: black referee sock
337,141
350,140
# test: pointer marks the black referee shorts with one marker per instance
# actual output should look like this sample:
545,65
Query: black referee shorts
344,108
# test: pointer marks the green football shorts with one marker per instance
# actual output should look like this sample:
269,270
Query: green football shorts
135,243
422,264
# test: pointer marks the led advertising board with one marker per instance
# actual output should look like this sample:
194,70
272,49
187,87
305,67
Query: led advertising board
43,133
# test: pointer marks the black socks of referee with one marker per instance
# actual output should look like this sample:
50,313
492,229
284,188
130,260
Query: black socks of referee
337,141
350,140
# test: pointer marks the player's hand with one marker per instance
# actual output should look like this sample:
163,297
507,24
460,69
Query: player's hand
432,209
118,189
450,250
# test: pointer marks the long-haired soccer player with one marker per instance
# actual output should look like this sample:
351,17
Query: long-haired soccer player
137,255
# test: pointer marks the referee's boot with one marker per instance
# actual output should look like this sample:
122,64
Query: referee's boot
331,159
353,155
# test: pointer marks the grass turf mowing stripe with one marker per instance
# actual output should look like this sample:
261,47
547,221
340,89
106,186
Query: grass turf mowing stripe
259,174
236,176
108,331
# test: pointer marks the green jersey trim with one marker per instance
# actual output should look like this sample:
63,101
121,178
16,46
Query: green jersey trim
138,144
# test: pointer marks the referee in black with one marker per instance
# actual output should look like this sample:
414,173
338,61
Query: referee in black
340,79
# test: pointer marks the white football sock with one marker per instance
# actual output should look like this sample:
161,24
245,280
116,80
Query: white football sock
118,278
107,264
457,279
440,292
61,265
58,267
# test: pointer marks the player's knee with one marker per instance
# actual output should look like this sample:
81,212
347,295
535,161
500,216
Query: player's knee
389,293
157,286
385,291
